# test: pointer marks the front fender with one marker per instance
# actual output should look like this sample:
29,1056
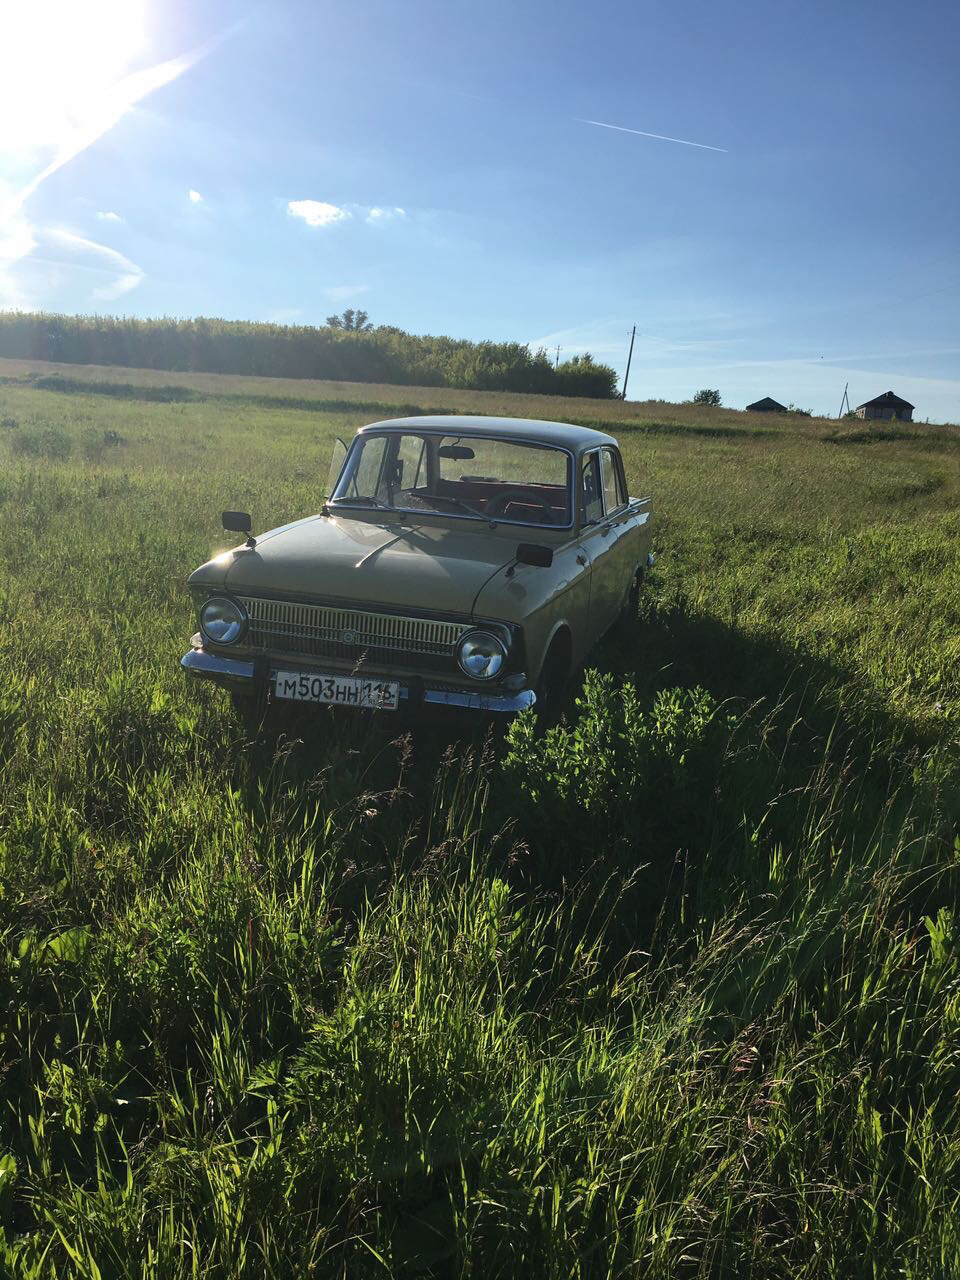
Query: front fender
544,602
561,628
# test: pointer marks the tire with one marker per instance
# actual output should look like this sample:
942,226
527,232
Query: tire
631,604
251,711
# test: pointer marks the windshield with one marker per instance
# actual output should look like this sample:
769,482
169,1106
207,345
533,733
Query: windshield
466,476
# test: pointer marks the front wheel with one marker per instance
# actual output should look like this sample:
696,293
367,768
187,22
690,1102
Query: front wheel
250,709
633,597
631,603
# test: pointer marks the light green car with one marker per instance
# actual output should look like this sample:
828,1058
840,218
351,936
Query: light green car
460,561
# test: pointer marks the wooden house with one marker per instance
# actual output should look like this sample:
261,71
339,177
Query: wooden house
767,405
888,406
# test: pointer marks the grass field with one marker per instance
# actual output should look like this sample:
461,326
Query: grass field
674,991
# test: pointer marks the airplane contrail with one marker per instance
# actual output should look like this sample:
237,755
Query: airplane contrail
662,137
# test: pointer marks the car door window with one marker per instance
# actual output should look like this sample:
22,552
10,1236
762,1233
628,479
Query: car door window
613,495
368,474
621,480
591,491
410,468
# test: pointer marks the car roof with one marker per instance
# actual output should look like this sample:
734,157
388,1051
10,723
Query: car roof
565,434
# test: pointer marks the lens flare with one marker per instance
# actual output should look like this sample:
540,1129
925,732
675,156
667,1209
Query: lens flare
57,59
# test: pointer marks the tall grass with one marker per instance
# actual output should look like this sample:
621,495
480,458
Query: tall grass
673,990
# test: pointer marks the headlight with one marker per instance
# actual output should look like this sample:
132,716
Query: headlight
222,620
481,655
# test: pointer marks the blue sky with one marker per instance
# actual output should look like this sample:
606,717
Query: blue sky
430,162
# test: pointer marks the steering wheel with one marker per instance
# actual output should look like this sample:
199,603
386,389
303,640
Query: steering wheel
498,504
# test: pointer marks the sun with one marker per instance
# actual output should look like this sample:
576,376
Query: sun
58,59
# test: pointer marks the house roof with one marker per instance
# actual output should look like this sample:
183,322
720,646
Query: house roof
888,399
564,434
768,402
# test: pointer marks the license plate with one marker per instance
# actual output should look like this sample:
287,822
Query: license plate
347,691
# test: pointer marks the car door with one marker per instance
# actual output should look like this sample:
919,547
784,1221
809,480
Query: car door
621,535
595,544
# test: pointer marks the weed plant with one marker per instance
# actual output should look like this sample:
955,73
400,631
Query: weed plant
672,990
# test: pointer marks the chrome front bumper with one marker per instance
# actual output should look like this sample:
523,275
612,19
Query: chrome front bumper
237,673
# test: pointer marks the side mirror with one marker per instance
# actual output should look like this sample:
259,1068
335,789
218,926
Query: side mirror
533,553
236,521
239,522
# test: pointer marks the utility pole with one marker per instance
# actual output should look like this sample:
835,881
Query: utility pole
844,401
623,394
556,363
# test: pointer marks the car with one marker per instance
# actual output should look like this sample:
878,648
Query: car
463,562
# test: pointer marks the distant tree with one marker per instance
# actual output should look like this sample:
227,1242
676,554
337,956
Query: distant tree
55,339
582,376
351,321
348,348
707,397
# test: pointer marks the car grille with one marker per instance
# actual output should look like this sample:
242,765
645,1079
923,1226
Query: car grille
327,631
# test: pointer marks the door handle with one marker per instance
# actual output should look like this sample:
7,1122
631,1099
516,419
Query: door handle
581,559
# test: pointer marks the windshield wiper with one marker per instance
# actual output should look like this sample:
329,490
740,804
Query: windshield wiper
363,499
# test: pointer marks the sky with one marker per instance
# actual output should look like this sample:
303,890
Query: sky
491,171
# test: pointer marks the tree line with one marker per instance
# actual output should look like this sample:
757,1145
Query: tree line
342,350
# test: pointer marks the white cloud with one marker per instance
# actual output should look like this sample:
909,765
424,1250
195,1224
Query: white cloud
316,213
194,196
377,214
126,275
320,213
109,216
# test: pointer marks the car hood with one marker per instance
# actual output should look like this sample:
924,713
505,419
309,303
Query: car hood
424,566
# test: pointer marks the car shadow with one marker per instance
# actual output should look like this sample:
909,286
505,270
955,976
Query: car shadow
806,754
671,645
405,786
339,754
